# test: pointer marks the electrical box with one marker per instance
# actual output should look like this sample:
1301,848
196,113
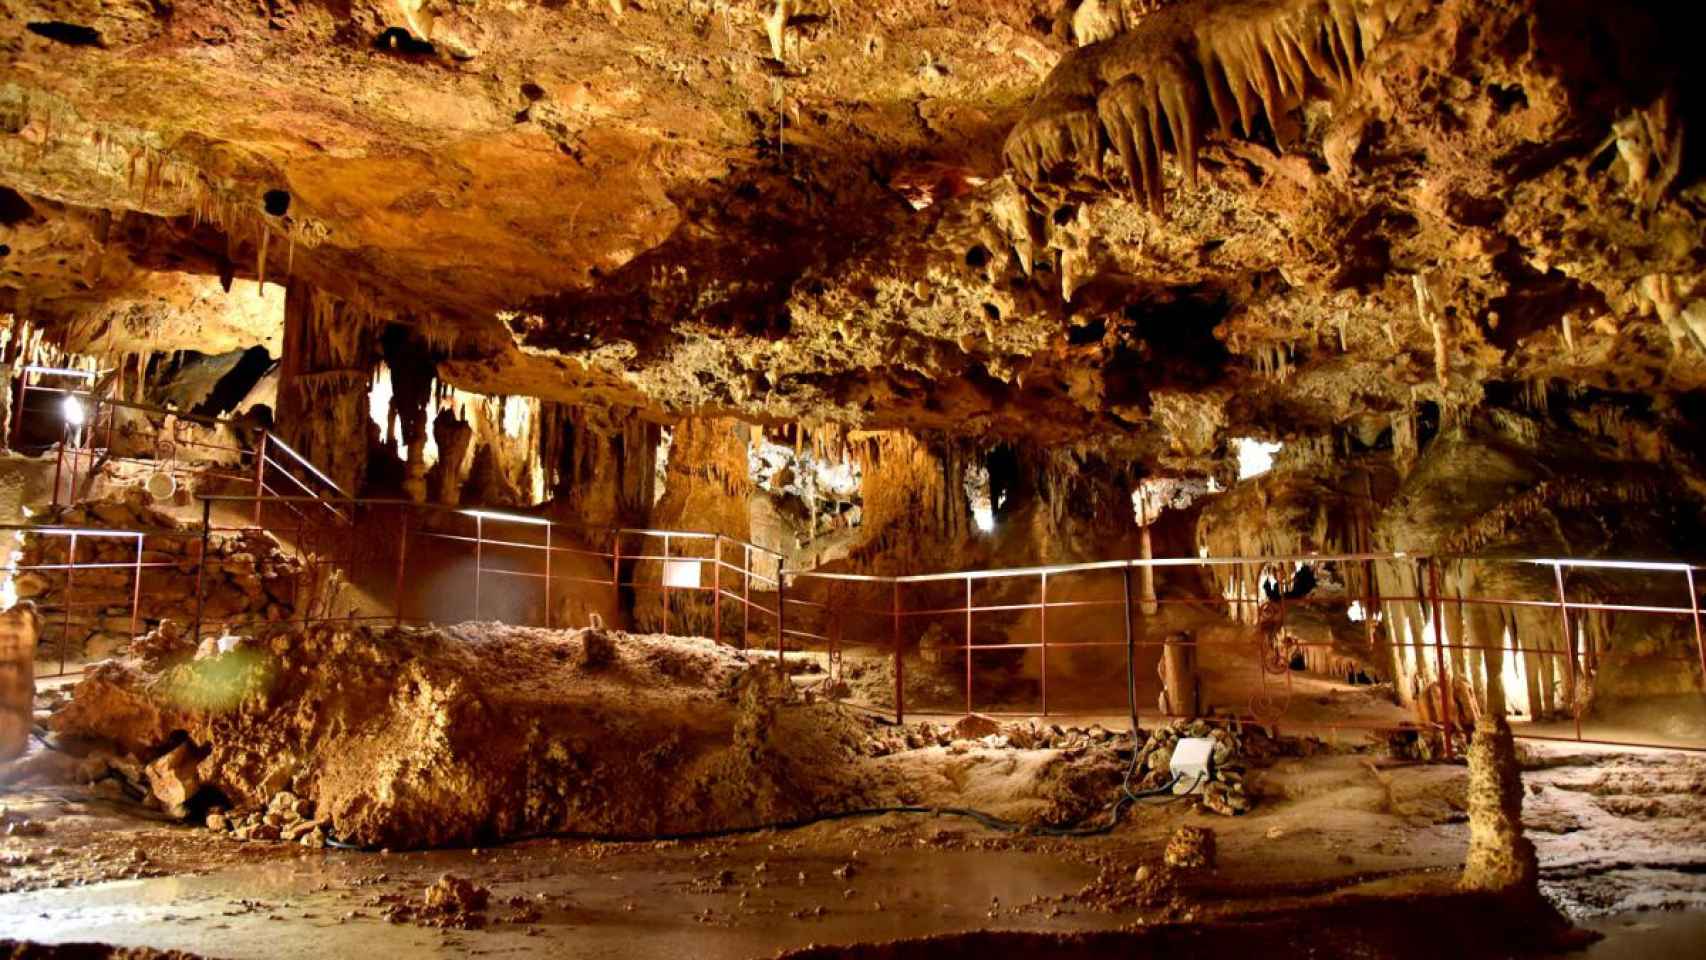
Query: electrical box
1192,764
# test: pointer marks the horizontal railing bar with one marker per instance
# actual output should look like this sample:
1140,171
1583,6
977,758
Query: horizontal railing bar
511,573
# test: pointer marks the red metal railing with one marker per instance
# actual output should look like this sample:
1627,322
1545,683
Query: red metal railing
558,559
438,563
891,599
89,435
424,585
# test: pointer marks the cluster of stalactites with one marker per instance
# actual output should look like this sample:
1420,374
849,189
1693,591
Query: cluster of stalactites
603,461
912,488
1155,87
1097,20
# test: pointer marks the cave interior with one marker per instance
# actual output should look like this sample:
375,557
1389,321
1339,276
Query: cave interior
784,478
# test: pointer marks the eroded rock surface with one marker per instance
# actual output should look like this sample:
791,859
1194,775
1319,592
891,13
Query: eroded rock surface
410,738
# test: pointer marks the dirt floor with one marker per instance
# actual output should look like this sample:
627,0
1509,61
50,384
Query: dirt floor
1618,833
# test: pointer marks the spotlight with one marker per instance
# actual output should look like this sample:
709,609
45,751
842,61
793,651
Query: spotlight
73,412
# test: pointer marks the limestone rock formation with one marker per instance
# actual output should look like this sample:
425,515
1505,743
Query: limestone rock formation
1501,859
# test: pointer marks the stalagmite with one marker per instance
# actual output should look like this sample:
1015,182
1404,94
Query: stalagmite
1501,860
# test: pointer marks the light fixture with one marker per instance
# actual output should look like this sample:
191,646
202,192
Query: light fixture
72,409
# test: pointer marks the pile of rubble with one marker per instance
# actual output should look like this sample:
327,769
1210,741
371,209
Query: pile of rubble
451,902
1235,745
1190,848
287,818
981,731
246,579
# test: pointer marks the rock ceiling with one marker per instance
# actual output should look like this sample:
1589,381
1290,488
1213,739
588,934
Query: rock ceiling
1146,225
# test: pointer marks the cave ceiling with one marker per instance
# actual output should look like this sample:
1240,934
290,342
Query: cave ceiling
1143,225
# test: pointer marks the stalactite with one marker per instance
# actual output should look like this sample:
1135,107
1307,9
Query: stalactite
1433,316
1405,444
1153,87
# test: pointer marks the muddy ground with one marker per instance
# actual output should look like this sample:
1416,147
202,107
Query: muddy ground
1616,832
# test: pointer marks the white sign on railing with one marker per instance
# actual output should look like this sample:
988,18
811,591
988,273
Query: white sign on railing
683,574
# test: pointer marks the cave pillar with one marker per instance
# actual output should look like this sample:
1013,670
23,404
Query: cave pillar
414,366
324,377
1179,676
1146,574
18,631
1485,629
1538,630
916,514
454,436
605,465
1501,860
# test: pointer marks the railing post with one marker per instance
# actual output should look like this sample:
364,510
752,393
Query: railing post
70,574
201,564
479,559
1445,689
968,646
59,462
746,597
1042,633
1368,623
663,578
781,620
1699,635
402,564
717,589
260,468
899,661
616,577
548,575
136,586
1130,652
1569,649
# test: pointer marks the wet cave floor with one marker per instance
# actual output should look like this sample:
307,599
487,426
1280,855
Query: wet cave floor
1357,859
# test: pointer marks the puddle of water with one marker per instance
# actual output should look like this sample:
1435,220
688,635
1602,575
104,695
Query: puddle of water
629,906
1648,935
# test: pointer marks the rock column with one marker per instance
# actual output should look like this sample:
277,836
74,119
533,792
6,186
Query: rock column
19,627
1501,859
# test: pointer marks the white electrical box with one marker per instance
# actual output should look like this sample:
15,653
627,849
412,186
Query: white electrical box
1192,763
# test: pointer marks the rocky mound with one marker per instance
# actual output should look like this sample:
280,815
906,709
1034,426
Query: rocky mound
412,737
416,737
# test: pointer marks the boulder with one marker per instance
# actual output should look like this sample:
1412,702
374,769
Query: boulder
173,778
